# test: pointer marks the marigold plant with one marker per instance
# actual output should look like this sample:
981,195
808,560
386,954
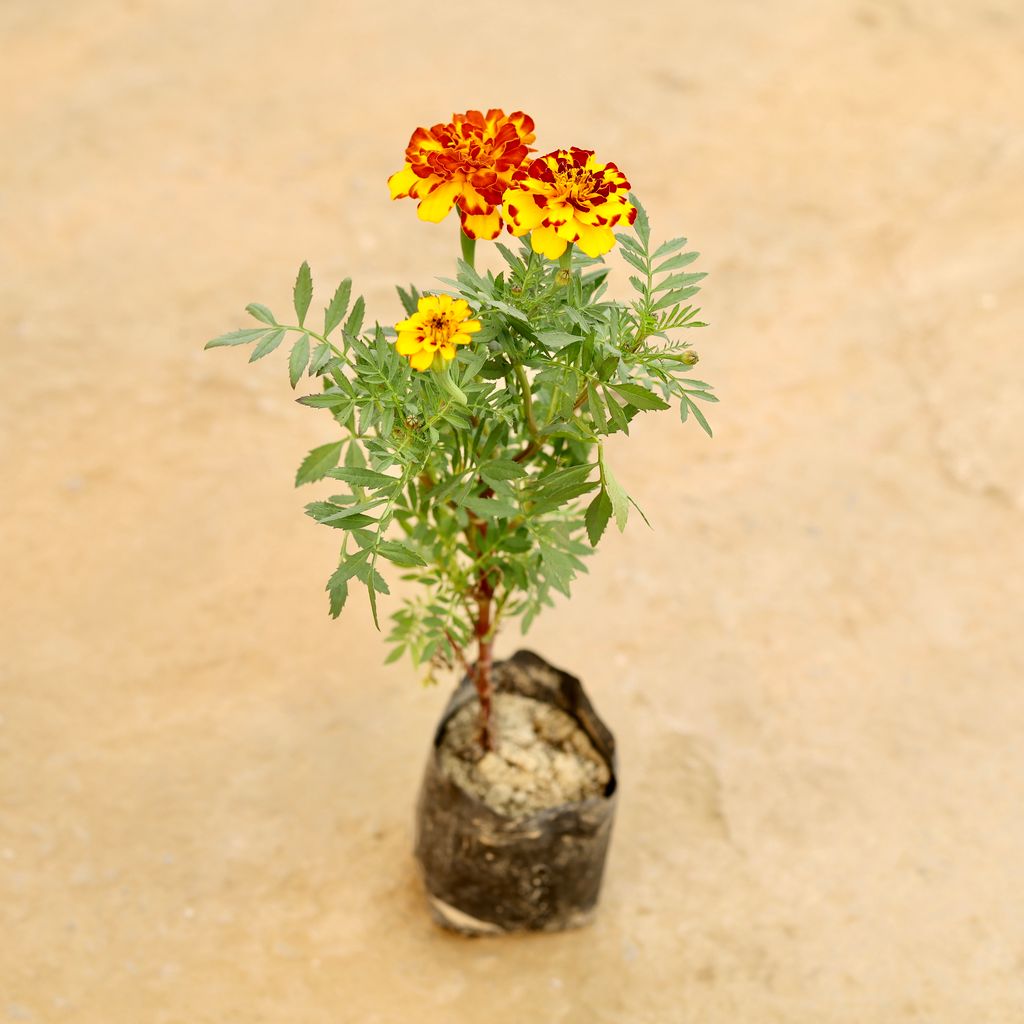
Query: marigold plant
471,453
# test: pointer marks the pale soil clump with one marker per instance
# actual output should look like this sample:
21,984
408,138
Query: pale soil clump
543,757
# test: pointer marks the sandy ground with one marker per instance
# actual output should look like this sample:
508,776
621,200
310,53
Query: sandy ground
813,663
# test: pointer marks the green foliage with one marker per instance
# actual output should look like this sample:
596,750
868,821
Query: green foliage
491,483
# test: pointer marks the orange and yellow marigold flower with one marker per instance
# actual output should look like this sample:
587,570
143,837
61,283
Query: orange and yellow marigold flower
469,163
438,325
567,196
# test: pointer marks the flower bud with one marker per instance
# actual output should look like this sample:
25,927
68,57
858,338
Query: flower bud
563,277
691,358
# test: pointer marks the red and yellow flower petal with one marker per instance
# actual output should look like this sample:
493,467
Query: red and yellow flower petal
436,206
522,212
408,344
422,359
594,241
401,182
548,242
486,225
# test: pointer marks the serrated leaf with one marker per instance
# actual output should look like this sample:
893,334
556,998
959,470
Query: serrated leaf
409,299
559,568
297,359
320,358
362,477
674,298
402,556
500,470
595,407
335,312
686,406
639,396
676,263
324,400
267,345
302,293
635,260
670,246
556,339
679,281
354,323
317,464
242,337
599,511
348,568
618,497
339,595
491,508
641,225
346,520
260,312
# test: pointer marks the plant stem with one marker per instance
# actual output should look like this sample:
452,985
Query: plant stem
468,247
565,264
524,387
484,661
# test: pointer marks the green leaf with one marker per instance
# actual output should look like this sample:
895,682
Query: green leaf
638,262
599,511
674,298
595,408
491,508
298,359
686,405
349,566
501,469
559,568
242,337
556,339
679,281
354,323
324,400
339,595
639,396
302,293
397,552
318,463
676,263
267,345
409,299
346,520
618,497
670,246
361,477
335,312
321,357
260,312
641,225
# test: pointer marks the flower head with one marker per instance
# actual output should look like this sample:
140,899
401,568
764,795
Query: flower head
438,325
567,196
469,162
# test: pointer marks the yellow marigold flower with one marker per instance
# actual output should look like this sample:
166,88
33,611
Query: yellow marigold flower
567,196
438,325
468,162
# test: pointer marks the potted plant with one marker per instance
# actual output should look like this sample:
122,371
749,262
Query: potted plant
471,458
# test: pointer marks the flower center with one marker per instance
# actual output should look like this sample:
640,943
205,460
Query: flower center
439,330
574,185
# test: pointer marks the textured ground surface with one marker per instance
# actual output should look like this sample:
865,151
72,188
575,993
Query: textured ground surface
813,664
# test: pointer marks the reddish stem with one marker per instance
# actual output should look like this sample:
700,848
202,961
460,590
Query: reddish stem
484,661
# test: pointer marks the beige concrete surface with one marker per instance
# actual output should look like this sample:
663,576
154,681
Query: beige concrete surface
813,664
